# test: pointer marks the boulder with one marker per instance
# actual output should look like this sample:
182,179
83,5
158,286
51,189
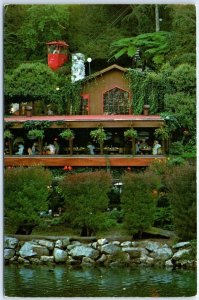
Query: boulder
87,262
66,242
10,242
35,261
126,244
59,244
47,259
27,250
151,246
22,260
81,251
102,259
102,242
169,263
40,250
163,253
180,254
69,247
60,255
9,253
146,260
47,244
75,243
181,245
110,249
133,252
117,243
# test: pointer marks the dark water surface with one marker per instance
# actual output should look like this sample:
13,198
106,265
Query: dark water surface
59,281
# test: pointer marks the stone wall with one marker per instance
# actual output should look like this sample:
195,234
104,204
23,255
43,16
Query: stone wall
99,253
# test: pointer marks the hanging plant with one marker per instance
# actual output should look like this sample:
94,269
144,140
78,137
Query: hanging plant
98,135
35,133
162,132
130,133
67,134
8,134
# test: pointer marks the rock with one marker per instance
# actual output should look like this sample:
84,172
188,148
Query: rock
47,259
9,253
40,250
81,251
110,249
69,247
102,242
144,259
102,259
94,245
87,261
180,254
72,261
163,253
181,245
134,244
59,244
60,255
133,252
27,250
75,243
66,242
10,242
126,244
151,246
47,244
117,243
35,261
23,260
169,263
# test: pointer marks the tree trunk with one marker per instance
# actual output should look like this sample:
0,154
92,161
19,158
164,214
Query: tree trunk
40,146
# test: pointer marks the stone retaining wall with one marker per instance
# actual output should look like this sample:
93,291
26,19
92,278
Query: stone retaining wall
99,253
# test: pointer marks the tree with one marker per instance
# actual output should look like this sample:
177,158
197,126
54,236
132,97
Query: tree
137,201
86,199
182,194
30,82
26,193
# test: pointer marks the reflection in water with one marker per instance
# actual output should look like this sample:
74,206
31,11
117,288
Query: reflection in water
61,281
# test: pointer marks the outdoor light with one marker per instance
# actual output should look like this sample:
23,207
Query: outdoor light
57,88
89,60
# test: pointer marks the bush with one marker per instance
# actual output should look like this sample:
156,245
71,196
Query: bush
86,199
26,192
137,201
182,194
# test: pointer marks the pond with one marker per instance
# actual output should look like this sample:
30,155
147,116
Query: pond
60,281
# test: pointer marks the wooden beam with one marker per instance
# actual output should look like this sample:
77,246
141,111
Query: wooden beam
81,161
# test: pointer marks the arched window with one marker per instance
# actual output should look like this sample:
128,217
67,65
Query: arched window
116,101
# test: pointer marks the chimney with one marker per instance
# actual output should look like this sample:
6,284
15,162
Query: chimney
146,108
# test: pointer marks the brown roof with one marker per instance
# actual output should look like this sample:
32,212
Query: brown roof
106,70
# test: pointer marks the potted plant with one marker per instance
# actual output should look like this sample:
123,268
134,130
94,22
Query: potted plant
162,133
37,134
131,134
99,136
8,135
68,134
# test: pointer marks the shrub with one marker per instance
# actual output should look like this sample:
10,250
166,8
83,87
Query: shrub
26,192
137,201
86,199
182,194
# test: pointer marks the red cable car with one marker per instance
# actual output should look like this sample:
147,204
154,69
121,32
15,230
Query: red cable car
57,54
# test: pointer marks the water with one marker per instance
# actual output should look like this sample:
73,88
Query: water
59,281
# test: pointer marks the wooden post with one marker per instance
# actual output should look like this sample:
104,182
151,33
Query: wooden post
40,145
71,146
10,146
133,146
101,148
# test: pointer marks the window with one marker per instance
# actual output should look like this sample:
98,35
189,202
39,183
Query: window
116,101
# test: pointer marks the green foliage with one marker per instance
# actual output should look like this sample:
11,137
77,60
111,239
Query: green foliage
98,135
86,199
162,132
130,133
8,134
37,133
26,192
153,46
176,148
36,124
30,82
182,194
137,201
67,134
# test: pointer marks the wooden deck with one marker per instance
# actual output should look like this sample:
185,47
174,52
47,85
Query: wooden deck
82,160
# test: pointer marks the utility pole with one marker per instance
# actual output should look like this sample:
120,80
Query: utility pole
157,19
